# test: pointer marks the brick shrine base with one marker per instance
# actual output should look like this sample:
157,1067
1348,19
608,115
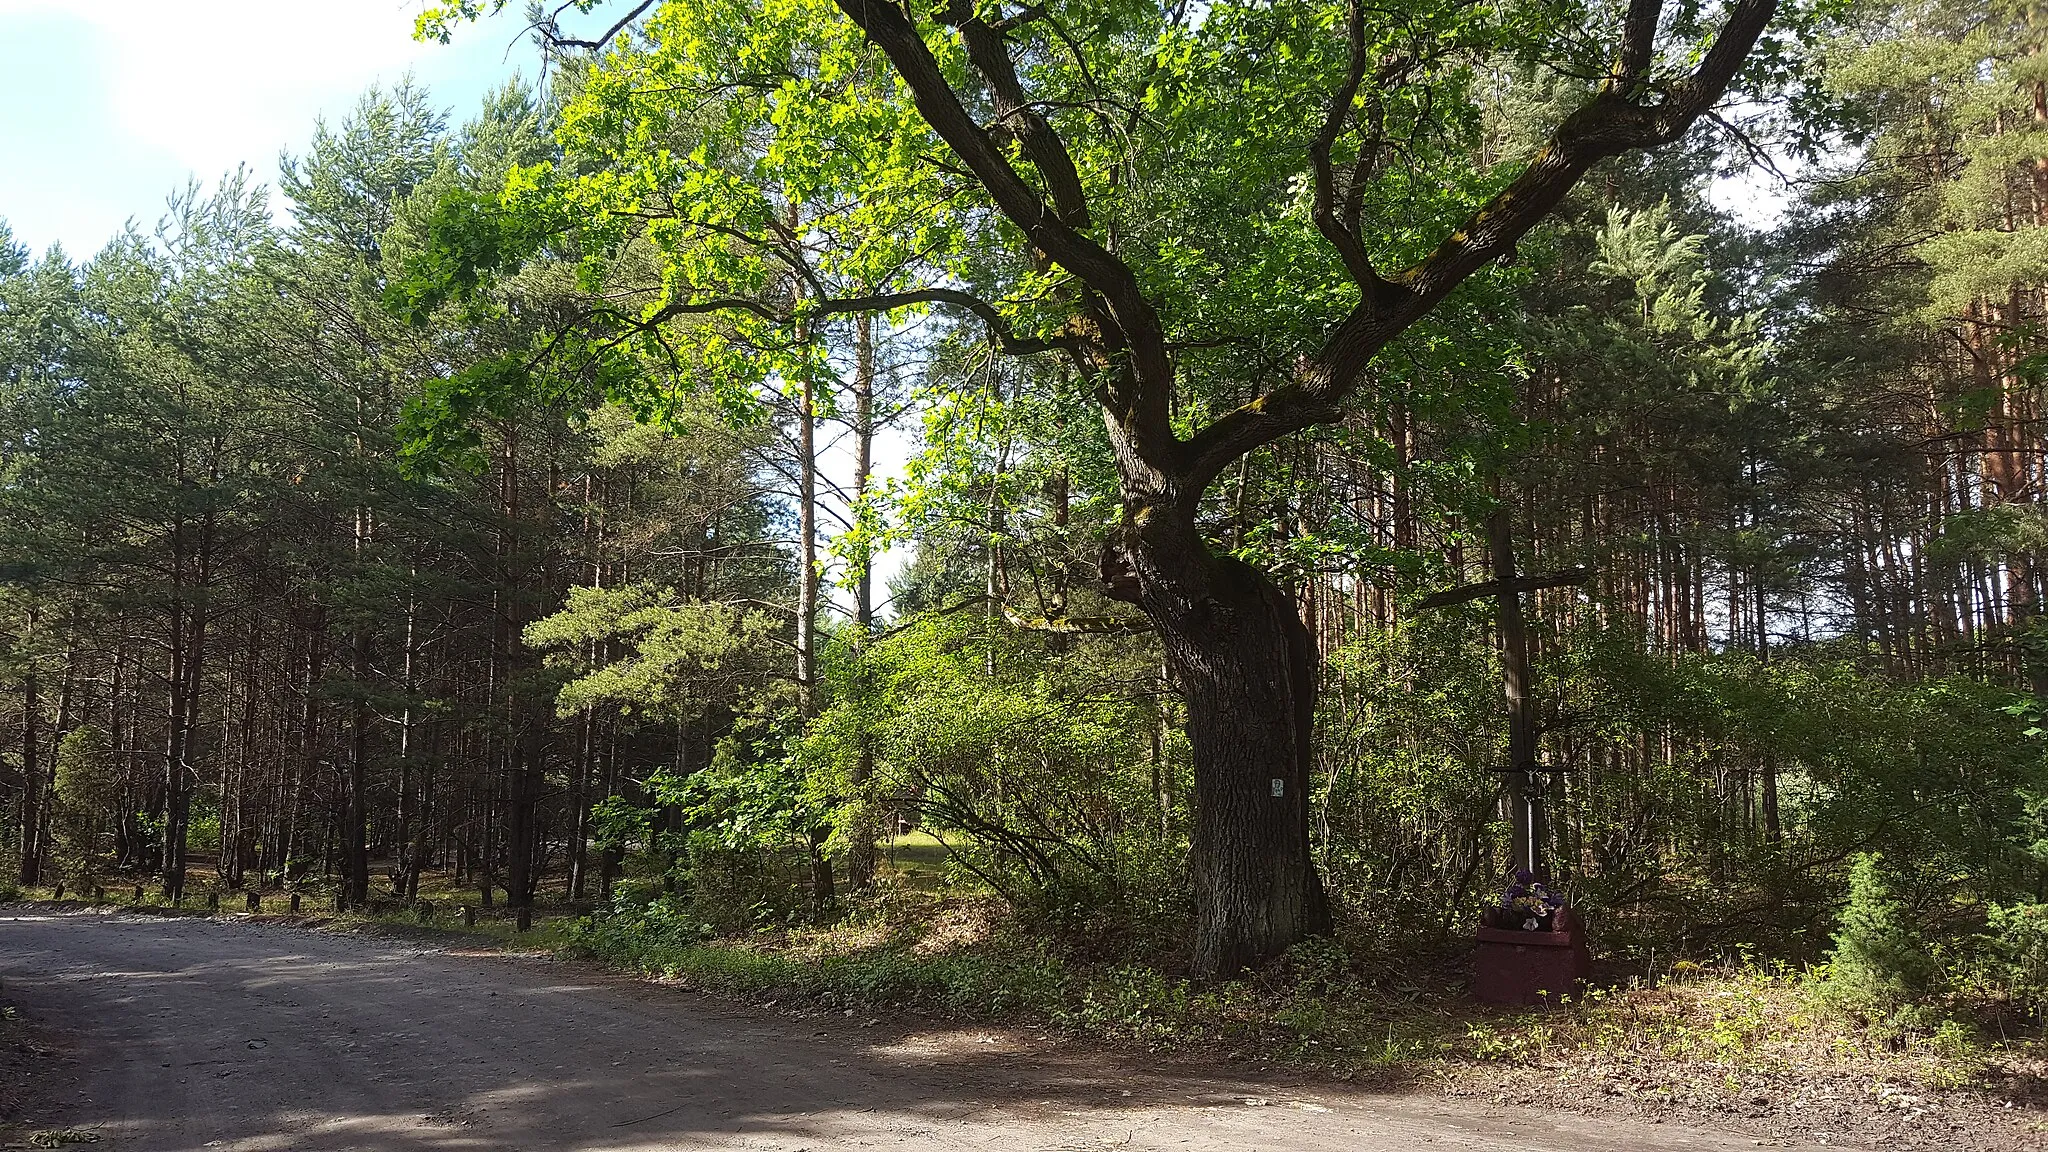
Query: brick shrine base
1517,967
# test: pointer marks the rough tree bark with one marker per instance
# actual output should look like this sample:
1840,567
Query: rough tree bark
1245,665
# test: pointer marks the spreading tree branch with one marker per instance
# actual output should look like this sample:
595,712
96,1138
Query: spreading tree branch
550,29
1138,395
1607,125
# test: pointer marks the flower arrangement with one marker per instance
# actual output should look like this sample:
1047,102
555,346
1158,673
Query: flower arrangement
1528,904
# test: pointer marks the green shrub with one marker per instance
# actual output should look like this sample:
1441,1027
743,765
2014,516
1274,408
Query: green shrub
1138,906
83,808
736,889
1881,962
2013,959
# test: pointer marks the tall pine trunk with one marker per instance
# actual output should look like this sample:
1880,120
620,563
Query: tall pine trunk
867,817
31,870
528,751
355,826
188,650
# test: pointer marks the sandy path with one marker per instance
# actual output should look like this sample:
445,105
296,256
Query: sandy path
192,1034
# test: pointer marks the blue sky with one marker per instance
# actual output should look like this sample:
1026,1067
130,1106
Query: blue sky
108,106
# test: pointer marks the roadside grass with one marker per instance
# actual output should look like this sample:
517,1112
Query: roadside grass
1693,1029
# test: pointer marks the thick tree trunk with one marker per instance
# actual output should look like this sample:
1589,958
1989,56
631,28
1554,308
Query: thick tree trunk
1245,666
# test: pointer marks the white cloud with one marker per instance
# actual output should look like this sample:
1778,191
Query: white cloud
215,83
153,91
209,82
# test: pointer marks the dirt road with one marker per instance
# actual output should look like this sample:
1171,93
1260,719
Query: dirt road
180,1034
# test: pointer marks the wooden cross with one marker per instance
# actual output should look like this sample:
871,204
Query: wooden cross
1507,589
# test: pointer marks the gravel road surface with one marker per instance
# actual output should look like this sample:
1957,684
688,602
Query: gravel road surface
175,1034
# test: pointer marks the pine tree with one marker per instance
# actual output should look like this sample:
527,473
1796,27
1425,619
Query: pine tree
1880,959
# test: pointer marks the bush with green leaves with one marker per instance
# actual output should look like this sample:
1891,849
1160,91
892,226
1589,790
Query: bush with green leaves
1034,757
88,794
1881,963
737,887
2012,959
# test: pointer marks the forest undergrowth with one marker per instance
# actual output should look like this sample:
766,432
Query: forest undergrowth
1731,1041
1329,1004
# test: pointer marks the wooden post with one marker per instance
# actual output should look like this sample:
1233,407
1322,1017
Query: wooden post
468,916
213,901
295,903
57,893
253,901
137,898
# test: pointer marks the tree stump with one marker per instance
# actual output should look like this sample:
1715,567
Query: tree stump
137,898
252,901
295,903
468,916
213,901
57,893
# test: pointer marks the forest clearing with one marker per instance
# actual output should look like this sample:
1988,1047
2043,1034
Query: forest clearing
1470,554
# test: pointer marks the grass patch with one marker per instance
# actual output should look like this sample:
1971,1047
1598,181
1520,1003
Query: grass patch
1319,1007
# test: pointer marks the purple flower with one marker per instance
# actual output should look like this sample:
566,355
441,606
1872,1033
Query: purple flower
1528,902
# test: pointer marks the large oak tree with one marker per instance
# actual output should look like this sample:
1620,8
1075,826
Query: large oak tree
1216,215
